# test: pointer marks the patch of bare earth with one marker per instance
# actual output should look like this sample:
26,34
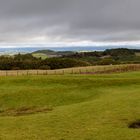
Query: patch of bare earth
135,125
24,111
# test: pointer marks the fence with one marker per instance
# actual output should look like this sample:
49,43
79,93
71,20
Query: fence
80,70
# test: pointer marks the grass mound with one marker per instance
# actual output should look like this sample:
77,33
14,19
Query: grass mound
85,107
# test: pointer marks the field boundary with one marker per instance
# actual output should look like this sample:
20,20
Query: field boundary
77,70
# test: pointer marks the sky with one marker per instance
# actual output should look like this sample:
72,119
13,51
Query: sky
69,22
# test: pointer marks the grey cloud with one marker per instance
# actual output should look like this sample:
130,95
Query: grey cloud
95,20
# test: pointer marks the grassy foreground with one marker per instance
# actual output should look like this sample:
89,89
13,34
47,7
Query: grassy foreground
82,107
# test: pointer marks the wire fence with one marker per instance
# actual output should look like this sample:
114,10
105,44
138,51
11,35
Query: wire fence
80,70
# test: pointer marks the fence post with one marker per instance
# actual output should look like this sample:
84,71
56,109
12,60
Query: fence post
104,69
86,71
72,71
6,73
92,70
80,71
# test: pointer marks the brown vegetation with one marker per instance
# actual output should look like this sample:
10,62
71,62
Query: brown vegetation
23,111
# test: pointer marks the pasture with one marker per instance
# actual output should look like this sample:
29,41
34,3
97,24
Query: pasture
40,55
70,107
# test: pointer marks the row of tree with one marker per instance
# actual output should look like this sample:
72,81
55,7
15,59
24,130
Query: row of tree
109,52
27,61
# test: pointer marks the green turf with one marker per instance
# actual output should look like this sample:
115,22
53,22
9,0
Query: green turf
85,107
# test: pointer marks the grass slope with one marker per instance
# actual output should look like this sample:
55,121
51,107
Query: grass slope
84,107
40,55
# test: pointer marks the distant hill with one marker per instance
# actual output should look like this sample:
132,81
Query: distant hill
136,50
45,52
109,56
51,53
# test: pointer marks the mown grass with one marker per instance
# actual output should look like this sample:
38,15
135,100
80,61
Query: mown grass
84,107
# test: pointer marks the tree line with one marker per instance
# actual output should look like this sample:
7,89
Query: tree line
107,57
27,61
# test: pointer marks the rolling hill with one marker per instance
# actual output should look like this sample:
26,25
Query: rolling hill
70,107
50,53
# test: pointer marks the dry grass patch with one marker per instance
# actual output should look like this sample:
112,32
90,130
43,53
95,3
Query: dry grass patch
24,111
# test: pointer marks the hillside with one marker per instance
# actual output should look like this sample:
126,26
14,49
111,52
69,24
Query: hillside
50,108
109,56
50,53
47,59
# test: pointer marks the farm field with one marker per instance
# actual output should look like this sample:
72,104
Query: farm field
40,55
70,107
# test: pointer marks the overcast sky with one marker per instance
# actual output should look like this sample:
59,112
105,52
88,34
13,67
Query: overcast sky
69,21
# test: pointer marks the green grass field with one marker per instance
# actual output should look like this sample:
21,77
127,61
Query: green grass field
70,107
40,55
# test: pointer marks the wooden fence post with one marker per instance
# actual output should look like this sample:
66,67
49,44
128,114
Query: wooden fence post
6,73
72,71
86,71
80,72
46,72
93,70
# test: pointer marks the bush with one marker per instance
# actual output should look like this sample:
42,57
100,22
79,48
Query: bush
44,67
58,63
107,61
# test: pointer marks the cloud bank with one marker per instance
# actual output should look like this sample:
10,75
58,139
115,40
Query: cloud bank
69,21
